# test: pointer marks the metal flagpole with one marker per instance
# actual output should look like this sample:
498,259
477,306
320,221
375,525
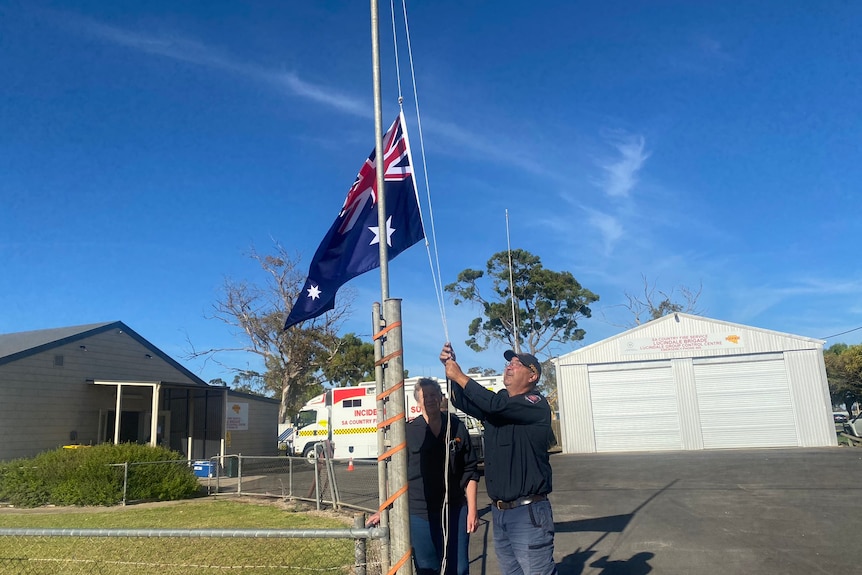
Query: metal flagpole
392,359
382,483
515,331
378,156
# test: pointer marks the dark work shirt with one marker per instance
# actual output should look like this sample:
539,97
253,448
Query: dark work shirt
517,438
426,460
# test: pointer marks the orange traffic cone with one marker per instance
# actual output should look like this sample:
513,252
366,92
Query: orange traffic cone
350,465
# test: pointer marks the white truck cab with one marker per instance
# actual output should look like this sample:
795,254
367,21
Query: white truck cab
347,418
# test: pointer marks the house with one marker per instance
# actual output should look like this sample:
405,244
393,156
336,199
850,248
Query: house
103,382
685,382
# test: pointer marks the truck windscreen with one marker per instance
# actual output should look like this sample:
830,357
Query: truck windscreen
305,417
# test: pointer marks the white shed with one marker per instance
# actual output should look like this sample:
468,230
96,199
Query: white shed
684,382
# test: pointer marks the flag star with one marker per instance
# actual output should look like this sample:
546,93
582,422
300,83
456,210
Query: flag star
376,231
314,292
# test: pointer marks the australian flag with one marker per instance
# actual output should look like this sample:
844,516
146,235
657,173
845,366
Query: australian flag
351,247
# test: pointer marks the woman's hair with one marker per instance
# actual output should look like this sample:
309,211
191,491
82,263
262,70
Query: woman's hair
426,382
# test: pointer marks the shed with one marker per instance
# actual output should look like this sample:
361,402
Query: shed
685,382
102,382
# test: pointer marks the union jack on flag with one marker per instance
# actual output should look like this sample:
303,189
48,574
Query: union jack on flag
350,248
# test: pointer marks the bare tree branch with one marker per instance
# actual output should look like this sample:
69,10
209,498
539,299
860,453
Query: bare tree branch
655,303
294,358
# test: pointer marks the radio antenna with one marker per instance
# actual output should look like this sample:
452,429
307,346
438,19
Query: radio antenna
515,331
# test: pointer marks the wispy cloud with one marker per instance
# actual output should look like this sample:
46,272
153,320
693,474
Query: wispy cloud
497,150
320,94
711,48
610,228
183,49
620,172
752,301
618,179
808,286
701,54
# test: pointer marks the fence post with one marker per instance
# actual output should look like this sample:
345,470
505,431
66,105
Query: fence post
239,474
333,486
317,455
359,550
125,481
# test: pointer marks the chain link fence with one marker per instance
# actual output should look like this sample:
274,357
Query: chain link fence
185,551
322,482
352,484
337,484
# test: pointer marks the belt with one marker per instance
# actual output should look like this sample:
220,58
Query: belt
518,502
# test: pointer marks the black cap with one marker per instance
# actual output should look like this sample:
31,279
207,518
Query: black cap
527,360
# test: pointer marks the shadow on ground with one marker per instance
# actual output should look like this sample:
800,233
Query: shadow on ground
576,562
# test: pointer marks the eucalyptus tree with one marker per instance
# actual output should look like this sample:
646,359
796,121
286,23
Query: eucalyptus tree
547,304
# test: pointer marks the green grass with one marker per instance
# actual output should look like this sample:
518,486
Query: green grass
165,556
207,513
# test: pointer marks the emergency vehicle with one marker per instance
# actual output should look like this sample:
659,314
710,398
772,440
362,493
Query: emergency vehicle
347,418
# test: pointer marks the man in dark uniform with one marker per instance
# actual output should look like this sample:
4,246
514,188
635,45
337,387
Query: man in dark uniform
517,467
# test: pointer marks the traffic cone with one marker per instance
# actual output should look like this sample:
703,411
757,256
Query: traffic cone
350,465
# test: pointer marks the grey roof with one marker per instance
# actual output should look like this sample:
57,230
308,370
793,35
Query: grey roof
15,346
15,343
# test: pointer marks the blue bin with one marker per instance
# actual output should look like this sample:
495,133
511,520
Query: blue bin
204,468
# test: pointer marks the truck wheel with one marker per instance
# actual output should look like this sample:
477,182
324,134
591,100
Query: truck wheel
309,454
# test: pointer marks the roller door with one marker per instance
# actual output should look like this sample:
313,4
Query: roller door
635,409
745,404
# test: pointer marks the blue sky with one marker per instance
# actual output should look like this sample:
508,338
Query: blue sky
147,147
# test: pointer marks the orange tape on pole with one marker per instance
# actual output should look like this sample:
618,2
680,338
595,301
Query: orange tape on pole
392,451
393,497
386,330
400,563
383,360
390,421
386,393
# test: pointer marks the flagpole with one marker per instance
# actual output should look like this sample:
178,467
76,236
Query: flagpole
515,332
378,156
390,380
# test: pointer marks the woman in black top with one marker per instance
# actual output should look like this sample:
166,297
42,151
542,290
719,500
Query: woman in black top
426,475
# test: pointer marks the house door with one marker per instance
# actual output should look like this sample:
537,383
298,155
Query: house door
129,427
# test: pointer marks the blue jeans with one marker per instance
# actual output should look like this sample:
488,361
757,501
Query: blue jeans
426,537
524,539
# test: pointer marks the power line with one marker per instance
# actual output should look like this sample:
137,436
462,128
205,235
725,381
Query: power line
843,332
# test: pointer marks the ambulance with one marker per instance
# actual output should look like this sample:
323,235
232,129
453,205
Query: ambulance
346,417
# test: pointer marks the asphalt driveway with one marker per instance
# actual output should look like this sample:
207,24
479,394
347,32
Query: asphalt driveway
768,511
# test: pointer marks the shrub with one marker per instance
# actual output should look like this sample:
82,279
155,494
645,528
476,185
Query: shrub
86,476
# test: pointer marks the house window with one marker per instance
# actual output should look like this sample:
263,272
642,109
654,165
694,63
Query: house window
58,361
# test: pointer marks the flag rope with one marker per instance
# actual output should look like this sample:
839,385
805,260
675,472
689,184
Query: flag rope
433,259
437,276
